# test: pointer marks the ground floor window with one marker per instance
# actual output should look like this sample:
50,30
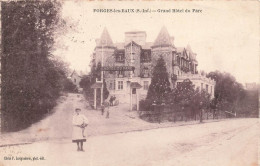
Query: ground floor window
120,85
112,85
134,91
146,85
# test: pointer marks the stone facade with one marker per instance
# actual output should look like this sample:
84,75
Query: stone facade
135,51
200,82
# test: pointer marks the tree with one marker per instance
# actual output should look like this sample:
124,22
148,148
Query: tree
228,92
31,81
160,85
69,86
85,83
190,100
105,91
183,96
227,88
184,93
61,65
204,103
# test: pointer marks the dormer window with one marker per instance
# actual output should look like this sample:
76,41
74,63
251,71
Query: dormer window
120,57
146,56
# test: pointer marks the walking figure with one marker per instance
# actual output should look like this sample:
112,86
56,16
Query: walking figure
102,109
111,101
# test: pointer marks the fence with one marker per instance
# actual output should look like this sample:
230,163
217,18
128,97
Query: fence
161,113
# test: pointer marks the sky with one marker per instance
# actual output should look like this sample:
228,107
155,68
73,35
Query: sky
225,35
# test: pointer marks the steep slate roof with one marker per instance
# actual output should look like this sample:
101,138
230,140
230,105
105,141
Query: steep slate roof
76,73
191,53
180,49
121,46
163,39
133,42
105,39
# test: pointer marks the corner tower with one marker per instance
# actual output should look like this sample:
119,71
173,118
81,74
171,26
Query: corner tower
105,46
163,46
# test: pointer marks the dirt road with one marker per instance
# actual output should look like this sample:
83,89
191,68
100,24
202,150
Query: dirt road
225,143
58,125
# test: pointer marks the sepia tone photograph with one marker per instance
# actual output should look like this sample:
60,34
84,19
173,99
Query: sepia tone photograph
129,83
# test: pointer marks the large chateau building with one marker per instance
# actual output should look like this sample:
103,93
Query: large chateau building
135,51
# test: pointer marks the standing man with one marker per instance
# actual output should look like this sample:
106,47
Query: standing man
107,115
102,109
111,100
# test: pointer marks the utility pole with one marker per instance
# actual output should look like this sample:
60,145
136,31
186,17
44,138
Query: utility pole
131,75
102,73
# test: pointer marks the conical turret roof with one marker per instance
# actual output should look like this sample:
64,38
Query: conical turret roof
105,39
163,39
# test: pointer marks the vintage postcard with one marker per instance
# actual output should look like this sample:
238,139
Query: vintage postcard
129,83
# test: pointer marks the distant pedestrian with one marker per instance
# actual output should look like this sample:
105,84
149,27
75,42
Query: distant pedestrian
111,101
102,109
79,122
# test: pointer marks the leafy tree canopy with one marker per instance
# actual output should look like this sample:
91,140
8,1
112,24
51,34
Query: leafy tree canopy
160,85
227,88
